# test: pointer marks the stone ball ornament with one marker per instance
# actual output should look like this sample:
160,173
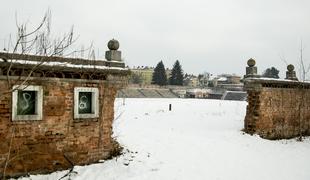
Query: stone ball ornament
113,44
251,62
290,67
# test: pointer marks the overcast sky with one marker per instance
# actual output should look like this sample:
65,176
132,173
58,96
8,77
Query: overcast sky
215,36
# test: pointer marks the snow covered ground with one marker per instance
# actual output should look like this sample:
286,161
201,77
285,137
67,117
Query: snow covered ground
198,139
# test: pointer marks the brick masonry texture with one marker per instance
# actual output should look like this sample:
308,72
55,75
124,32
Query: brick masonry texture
277,110
58,141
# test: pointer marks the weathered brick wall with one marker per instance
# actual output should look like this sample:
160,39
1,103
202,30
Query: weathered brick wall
58,140
277,109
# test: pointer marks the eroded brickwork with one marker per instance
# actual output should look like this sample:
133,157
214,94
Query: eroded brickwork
277,109
58,141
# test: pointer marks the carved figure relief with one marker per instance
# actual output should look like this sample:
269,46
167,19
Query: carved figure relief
26,102
85,102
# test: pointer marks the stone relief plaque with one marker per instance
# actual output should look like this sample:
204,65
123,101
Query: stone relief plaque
26,102
85,103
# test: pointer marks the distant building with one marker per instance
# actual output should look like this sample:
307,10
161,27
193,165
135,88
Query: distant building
191,80
203,79
226,81
233,79
143,75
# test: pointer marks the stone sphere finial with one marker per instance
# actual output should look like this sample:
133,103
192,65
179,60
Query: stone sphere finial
290,67
251,62
113,44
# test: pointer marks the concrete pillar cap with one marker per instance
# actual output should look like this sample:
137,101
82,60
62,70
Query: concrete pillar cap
251,62
113,44
290,67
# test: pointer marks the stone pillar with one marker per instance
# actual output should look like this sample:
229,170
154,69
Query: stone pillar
290,73
251,71
113,54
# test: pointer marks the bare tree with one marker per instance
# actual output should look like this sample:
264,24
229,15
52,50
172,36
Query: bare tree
304,68
303,73
39,42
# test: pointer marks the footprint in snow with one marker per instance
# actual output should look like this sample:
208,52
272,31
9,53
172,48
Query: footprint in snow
160,111
154,169
130,158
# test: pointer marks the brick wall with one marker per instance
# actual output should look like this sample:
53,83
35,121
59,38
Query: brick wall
58,141
277,109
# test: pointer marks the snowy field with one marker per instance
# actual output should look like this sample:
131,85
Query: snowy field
198,139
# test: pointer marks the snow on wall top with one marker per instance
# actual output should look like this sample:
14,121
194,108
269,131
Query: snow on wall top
56,63
60,64
258,83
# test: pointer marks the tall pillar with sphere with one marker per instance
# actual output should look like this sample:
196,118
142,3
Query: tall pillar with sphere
251,70
113,54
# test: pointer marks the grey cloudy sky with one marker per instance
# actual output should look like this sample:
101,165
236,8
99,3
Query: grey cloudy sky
216,36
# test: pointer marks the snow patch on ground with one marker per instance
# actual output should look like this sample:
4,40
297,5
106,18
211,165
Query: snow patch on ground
198,139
